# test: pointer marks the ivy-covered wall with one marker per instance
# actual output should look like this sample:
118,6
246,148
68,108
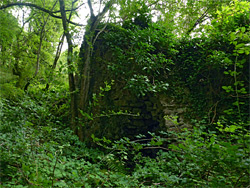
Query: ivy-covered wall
129,87
145,79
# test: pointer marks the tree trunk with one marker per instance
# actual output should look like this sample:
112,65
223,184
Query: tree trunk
58,53
72,87
42,33
80,91
86,51
85,55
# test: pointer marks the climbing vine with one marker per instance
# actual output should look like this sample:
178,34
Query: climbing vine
142,57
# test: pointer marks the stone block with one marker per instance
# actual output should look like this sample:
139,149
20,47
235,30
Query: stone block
180,110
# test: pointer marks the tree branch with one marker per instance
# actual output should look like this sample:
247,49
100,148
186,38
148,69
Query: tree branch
39,8
106,8
39,48
72,86
58,53
74,9
91,8
198,21
85,54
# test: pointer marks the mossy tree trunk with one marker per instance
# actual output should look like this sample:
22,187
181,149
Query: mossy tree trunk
72,86
80,85
86,52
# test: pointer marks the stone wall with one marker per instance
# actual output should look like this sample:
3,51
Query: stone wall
174,114
140,115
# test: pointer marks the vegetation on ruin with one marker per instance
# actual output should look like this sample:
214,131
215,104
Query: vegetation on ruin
64,118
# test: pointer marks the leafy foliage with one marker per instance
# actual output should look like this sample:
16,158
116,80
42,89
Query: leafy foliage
48,154
209,72
215,68
197,159
141,57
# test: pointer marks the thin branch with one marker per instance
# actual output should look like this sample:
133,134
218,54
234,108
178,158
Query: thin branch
91,8
53,172
26,178
106,8
199,20
98,35
159,147
39,8
30,17
39,48
58,51
70,15
70,10
242,175
117,114
211,110
149,139
241,96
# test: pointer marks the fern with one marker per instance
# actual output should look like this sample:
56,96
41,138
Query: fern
111,162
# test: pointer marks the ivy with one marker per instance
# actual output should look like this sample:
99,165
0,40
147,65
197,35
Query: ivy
141,58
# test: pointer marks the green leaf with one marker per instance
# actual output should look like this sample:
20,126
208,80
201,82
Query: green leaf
243,29
239,45
241,51
231,129
227,88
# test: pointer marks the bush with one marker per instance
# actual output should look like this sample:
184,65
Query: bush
197,159
38,150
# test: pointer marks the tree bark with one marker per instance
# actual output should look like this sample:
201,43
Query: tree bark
85,59
72,87
86,51
201,19
51,13
58,53
39,49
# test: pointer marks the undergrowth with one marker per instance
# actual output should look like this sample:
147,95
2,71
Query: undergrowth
38,150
